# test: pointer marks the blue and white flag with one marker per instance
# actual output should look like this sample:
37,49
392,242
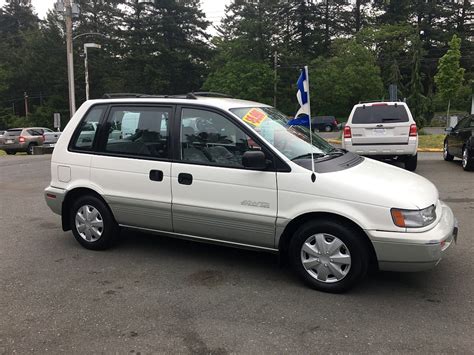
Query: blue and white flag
302,117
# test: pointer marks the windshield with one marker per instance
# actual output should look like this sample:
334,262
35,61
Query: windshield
292,141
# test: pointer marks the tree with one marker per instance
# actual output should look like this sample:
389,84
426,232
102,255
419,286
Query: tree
416,99
450,75
244,79
349,76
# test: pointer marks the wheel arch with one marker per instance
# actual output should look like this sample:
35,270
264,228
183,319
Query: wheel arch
69,199
290,229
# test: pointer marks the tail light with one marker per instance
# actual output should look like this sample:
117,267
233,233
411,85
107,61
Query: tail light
413,130
21,139
347,132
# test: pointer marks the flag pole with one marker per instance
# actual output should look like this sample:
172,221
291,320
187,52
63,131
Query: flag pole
313,175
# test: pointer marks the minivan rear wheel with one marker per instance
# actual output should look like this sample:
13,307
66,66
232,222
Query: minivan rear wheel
92,223
411,162
329,256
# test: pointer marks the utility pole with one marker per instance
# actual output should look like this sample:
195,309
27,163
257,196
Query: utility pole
275,76
70,57
26,103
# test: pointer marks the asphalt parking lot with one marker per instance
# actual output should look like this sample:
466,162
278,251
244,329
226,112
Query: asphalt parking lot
153,294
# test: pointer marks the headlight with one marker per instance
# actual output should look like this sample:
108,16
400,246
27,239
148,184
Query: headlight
413,218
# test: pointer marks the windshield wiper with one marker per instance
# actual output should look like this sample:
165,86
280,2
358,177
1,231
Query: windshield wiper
308,155
337,151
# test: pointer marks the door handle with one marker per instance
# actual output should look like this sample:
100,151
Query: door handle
156,175
185,179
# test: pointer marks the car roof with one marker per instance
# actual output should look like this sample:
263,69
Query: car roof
217,102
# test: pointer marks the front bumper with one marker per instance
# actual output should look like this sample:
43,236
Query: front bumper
415,251
54,198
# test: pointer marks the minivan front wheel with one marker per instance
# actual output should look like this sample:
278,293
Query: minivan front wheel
329,256
92,223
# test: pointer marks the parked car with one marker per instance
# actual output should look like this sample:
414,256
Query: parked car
21,140
233,172
2,133
50,137
459,142
324,123
383,130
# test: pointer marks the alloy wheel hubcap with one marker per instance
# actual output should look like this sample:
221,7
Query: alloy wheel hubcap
326,258
464,158
89,223
445,150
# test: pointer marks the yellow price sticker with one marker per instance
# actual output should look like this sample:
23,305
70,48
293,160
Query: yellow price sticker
255,117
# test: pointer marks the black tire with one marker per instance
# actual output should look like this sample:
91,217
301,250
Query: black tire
467,160
29,149
10,152
327,128
110,230
446,155
411,162
356,246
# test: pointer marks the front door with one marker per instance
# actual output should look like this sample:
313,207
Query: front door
133,168
214,196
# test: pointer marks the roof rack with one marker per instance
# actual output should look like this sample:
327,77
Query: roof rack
142,96
191,95
195,95
382,100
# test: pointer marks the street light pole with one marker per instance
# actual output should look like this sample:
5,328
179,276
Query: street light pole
70,57
86,64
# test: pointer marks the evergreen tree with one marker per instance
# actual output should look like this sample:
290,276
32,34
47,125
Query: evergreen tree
450,75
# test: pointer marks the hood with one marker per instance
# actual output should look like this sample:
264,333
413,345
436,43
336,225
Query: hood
381,184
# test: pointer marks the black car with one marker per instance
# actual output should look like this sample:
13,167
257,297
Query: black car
459,142
324,123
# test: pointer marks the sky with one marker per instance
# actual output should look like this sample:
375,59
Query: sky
214,9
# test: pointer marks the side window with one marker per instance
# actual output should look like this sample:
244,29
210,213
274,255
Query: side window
35,132
462,124
88,129
211,139
139,131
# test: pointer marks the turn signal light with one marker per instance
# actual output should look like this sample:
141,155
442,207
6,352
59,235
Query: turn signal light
398,218
413,130
347,132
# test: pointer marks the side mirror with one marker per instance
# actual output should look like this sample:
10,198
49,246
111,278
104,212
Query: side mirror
254,159
449,129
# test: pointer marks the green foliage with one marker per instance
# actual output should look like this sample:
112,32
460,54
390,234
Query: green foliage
416,100
450,75
244,79
165,48
339,82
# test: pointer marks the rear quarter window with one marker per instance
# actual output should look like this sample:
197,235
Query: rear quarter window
85,134
380,114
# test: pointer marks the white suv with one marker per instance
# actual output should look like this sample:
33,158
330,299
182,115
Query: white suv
383,130
233,172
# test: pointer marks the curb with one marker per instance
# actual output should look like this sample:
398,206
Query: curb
421,150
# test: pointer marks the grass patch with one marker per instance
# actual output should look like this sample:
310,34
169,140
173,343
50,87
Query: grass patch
431,141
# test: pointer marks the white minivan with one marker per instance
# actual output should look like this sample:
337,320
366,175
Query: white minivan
233,172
